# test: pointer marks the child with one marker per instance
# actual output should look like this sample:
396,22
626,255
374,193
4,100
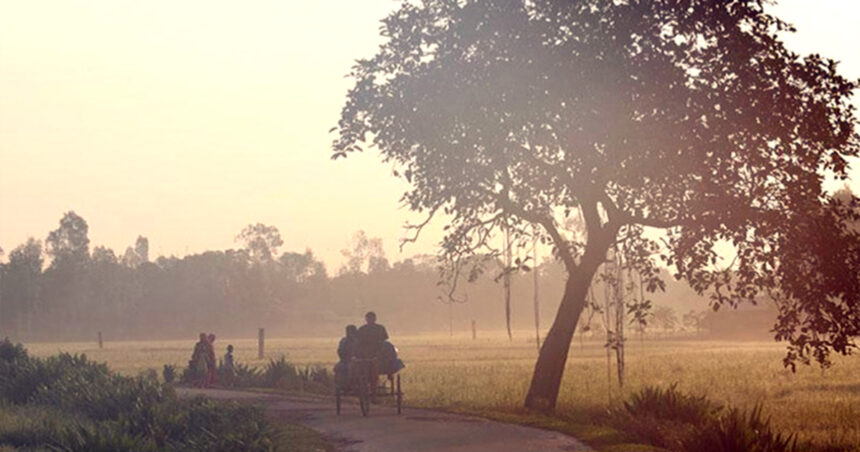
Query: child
229,370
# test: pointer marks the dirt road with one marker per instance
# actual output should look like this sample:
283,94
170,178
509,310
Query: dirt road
416,430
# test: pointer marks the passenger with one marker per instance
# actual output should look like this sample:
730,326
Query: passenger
389,363
345,352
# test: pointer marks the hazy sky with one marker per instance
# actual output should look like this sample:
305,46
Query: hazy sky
184,121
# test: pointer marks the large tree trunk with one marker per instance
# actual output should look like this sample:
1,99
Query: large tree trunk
549,369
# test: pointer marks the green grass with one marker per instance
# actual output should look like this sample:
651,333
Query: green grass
67,402
490,376
295,438
29,420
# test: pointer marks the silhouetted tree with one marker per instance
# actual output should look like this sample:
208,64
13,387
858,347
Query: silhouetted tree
694,320
65,284
137,255
261,241
687,116
665,317
300,267
69,243
364,255
20,288
141,248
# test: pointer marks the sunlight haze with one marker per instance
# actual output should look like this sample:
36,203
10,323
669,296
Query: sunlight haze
185,121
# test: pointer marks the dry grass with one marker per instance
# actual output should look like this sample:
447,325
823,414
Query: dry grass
493,374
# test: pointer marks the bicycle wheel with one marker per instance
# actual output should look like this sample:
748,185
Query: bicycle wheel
364,391
399,396
337,393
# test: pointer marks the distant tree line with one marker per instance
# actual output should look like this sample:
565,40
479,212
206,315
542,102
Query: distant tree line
62,289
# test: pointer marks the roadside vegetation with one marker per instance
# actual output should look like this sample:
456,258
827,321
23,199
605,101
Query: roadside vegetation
70,403
275,374
489,377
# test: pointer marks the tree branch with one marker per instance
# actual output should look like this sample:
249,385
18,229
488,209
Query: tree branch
417,228
548,225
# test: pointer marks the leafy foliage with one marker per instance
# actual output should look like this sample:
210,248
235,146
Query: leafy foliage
279,373
671,404
168,372
108,412
738,430
684,422
687,116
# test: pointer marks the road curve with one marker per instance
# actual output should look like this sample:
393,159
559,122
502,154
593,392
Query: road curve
416,430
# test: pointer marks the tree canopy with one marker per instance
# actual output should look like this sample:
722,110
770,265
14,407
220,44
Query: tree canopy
686,115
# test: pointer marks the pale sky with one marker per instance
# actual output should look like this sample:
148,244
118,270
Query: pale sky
184,121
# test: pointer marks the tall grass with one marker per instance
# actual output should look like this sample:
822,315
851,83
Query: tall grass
69,403
682,422
493,373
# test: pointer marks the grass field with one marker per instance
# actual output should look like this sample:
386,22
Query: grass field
492,374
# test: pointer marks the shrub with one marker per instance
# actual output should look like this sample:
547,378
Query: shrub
687,423
100,438
246,376
10,352
168,373
737,430
280,373
94,409
670,404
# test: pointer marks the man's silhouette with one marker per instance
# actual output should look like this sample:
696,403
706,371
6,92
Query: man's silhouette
369,338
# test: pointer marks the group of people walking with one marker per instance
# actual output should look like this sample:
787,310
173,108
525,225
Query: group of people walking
203,364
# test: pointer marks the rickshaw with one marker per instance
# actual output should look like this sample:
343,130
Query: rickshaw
360,384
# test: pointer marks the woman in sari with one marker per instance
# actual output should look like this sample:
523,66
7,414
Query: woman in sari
210,361
198,364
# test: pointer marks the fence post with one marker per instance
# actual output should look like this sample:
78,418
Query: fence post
474,331
260,344
101,345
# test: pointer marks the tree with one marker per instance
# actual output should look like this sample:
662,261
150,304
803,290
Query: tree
261,241
302,267
141,248
364,255
138,255
694,320
65,282
21,285
665,317
69,243
687,116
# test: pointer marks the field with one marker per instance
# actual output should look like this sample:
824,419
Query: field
492,374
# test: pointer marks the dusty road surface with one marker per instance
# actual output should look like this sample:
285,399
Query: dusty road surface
416,430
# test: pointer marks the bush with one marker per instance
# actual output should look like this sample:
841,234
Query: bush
168,373
281,374
246,376
737,430
10,352
670,404
687,423
277,373
93,409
